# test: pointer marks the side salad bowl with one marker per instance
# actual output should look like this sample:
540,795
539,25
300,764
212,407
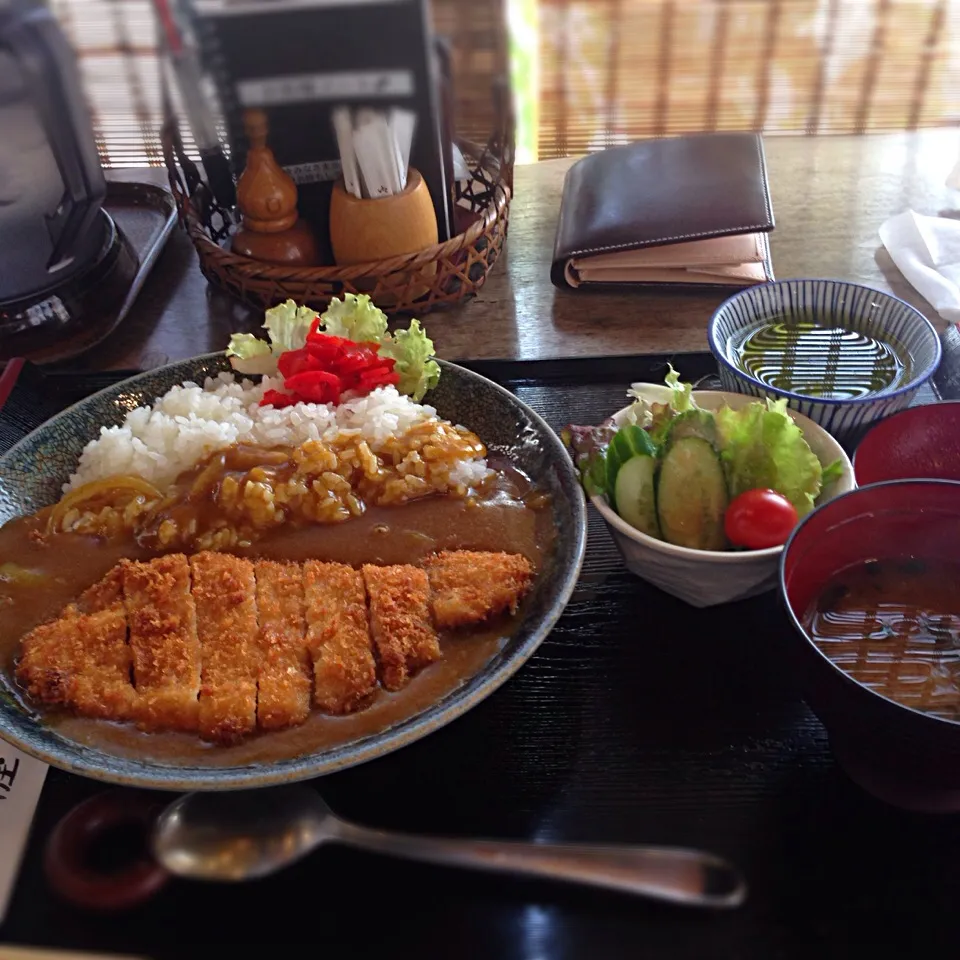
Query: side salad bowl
705,578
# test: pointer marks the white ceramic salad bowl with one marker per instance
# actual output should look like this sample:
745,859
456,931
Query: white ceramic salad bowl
705,578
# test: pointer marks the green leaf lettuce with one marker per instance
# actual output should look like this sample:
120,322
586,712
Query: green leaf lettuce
287,326
682,398
250,354
412,351
657,417
356,318
762,447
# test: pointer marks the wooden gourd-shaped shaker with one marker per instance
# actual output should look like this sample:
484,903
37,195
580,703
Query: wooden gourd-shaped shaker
267,197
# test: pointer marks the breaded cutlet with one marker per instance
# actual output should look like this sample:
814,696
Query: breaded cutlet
163,641
469,586
222,645
81,661
344,672
104,593
400,622
224,591
51,655
284,679
103,688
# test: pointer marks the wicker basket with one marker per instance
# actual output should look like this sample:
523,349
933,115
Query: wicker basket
441,275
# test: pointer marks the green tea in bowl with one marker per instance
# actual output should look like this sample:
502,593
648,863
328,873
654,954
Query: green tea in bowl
842,354
819,358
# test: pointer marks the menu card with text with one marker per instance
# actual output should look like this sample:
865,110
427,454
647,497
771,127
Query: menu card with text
21,780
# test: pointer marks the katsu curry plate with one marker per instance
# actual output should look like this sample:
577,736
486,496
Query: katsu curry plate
264,565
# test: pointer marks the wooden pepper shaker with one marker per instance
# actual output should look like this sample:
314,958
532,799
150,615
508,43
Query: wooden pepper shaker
267,197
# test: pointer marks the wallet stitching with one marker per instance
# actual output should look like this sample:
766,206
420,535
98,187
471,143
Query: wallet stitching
693,236
703,259
767,261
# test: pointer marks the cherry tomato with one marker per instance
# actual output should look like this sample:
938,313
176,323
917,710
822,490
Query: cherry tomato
758,519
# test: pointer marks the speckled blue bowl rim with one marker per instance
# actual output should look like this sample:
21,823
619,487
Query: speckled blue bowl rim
558,578
721,355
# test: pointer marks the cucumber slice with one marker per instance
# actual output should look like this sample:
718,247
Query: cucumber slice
635,494
692,496
693,423
627,442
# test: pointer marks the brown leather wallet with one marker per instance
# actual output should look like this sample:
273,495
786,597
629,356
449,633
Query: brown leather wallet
686,210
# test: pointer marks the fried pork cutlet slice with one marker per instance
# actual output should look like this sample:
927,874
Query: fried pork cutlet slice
103,687
224,591
469,586
400,622
104,593
338,638
283,682
82,659
163,642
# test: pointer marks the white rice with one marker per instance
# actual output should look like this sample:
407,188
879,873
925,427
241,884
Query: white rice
189,422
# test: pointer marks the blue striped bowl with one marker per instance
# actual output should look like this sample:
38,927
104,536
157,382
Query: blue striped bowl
842,304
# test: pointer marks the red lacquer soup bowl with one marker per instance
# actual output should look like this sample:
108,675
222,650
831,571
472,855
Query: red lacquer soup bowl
919,443
901,754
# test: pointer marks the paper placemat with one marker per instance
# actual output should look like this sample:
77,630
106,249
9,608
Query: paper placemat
21,780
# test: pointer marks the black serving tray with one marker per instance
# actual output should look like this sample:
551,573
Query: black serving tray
145,215
640,720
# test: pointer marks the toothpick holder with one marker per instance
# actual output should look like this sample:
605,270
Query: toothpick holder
379,228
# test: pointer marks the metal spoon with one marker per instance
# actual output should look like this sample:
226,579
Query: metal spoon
242,836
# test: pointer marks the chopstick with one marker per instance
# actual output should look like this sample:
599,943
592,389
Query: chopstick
8,378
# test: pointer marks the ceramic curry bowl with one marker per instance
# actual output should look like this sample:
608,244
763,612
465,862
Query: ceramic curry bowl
31,477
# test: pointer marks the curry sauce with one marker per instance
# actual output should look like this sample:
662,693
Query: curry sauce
51,570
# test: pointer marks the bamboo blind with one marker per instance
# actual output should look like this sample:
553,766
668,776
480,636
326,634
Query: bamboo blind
477,35
616,70
115,41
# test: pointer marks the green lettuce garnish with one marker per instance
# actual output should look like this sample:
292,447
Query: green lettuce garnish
356,318
832,473
656,418
412,351
248,353
682,393
762,447
287,326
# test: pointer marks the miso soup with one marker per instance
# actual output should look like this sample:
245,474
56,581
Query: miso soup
817,358
894,626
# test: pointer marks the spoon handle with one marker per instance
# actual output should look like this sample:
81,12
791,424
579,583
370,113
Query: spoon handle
664,873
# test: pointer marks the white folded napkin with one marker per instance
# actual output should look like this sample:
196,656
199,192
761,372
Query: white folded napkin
953,181
927,251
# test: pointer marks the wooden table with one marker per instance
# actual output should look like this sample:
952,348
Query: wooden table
830,195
